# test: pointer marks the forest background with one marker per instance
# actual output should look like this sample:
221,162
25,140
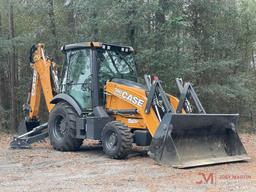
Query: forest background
210,43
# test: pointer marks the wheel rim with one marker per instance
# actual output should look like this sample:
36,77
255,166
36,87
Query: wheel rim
111,141
59,127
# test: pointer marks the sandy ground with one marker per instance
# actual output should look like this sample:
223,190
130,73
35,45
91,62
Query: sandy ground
43,169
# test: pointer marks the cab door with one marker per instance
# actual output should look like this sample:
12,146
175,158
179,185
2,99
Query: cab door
77,77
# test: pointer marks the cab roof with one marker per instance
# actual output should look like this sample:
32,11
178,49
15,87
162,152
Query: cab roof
99,45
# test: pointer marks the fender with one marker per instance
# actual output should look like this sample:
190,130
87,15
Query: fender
64,97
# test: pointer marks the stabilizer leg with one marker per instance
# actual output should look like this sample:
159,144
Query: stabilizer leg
35,135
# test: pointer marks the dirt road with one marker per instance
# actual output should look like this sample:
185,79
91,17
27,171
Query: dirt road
43,169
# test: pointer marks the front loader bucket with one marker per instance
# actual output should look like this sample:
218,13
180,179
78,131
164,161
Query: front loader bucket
190,140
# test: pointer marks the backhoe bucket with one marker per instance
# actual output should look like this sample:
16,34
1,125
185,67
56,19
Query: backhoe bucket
26,126
190,140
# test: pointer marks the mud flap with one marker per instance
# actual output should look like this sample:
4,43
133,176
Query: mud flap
190,140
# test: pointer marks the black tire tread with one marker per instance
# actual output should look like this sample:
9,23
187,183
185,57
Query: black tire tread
71,143
126,139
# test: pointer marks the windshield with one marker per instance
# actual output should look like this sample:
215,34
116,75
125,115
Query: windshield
116,64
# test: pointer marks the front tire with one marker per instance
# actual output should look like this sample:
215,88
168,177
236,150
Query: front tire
116,140
62,126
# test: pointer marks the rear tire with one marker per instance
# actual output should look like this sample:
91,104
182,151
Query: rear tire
62,126
116,140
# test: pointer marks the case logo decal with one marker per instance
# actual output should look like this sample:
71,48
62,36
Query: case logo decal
129,97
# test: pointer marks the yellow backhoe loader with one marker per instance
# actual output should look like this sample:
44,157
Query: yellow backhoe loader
99,98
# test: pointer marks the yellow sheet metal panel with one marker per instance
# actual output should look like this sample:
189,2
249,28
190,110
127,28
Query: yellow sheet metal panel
125,97
41,80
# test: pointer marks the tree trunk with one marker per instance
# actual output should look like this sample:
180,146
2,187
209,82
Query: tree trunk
160,21
95,31
0,25
131,26
1,70
253,60
71,21
53,30
13,68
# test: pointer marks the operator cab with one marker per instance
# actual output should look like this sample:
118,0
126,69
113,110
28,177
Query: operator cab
89,65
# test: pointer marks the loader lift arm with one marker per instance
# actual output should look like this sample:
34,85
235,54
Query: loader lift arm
185,91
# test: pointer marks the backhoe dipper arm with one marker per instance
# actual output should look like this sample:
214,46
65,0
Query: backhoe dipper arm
35,96
44,77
